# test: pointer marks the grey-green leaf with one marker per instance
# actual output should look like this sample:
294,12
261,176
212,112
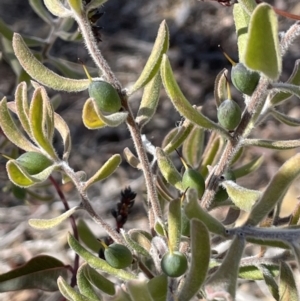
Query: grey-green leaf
224,280
287,284
97,262
275,190
41,73
149,101
160,47
39,272
180,102
50,223
262,52
200,256
193,210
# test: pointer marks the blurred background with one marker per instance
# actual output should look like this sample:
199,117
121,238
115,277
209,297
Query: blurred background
129,30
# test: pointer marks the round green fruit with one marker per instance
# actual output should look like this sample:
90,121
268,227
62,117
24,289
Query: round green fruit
118,256
193,179
34,162
174,264
244,79
221,194
229,114
106,96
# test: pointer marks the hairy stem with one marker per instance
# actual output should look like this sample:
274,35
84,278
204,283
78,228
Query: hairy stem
91,45
88,207
247,123
148,175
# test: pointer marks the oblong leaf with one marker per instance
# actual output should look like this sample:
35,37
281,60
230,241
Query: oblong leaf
180,102
138,290
101,282
11,130
93,118
178,137
242,197
41,11
39,111
20,177
57,8
289,88
220,88
41,73
85,287
160,47
248,168
69,292
50,223
149,101
134,245
192,148
168,170
273,144
262,52
211,153
200,256
97,262
270,282
105,171
131,158
288,120
76,5
252,272
22,107
64,131
40,272
90,117
158,287
87,236
241,22
224,280
281,96
193,210
275,190
287,284
174,224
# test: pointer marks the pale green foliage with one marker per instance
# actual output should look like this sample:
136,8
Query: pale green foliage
180,258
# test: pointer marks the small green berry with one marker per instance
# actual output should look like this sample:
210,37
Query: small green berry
193,179
244,79
229,114
34,162
106,96
221,194
118,256
174,264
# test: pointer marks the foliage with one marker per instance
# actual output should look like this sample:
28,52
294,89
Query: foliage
178,258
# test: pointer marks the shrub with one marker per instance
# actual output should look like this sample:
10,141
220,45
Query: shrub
182,228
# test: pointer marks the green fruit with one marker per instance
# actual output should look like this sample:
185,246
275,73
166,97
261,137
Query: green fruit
221,194
34,162
106,96
229,114
193,179
174,264
118,256
244,79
